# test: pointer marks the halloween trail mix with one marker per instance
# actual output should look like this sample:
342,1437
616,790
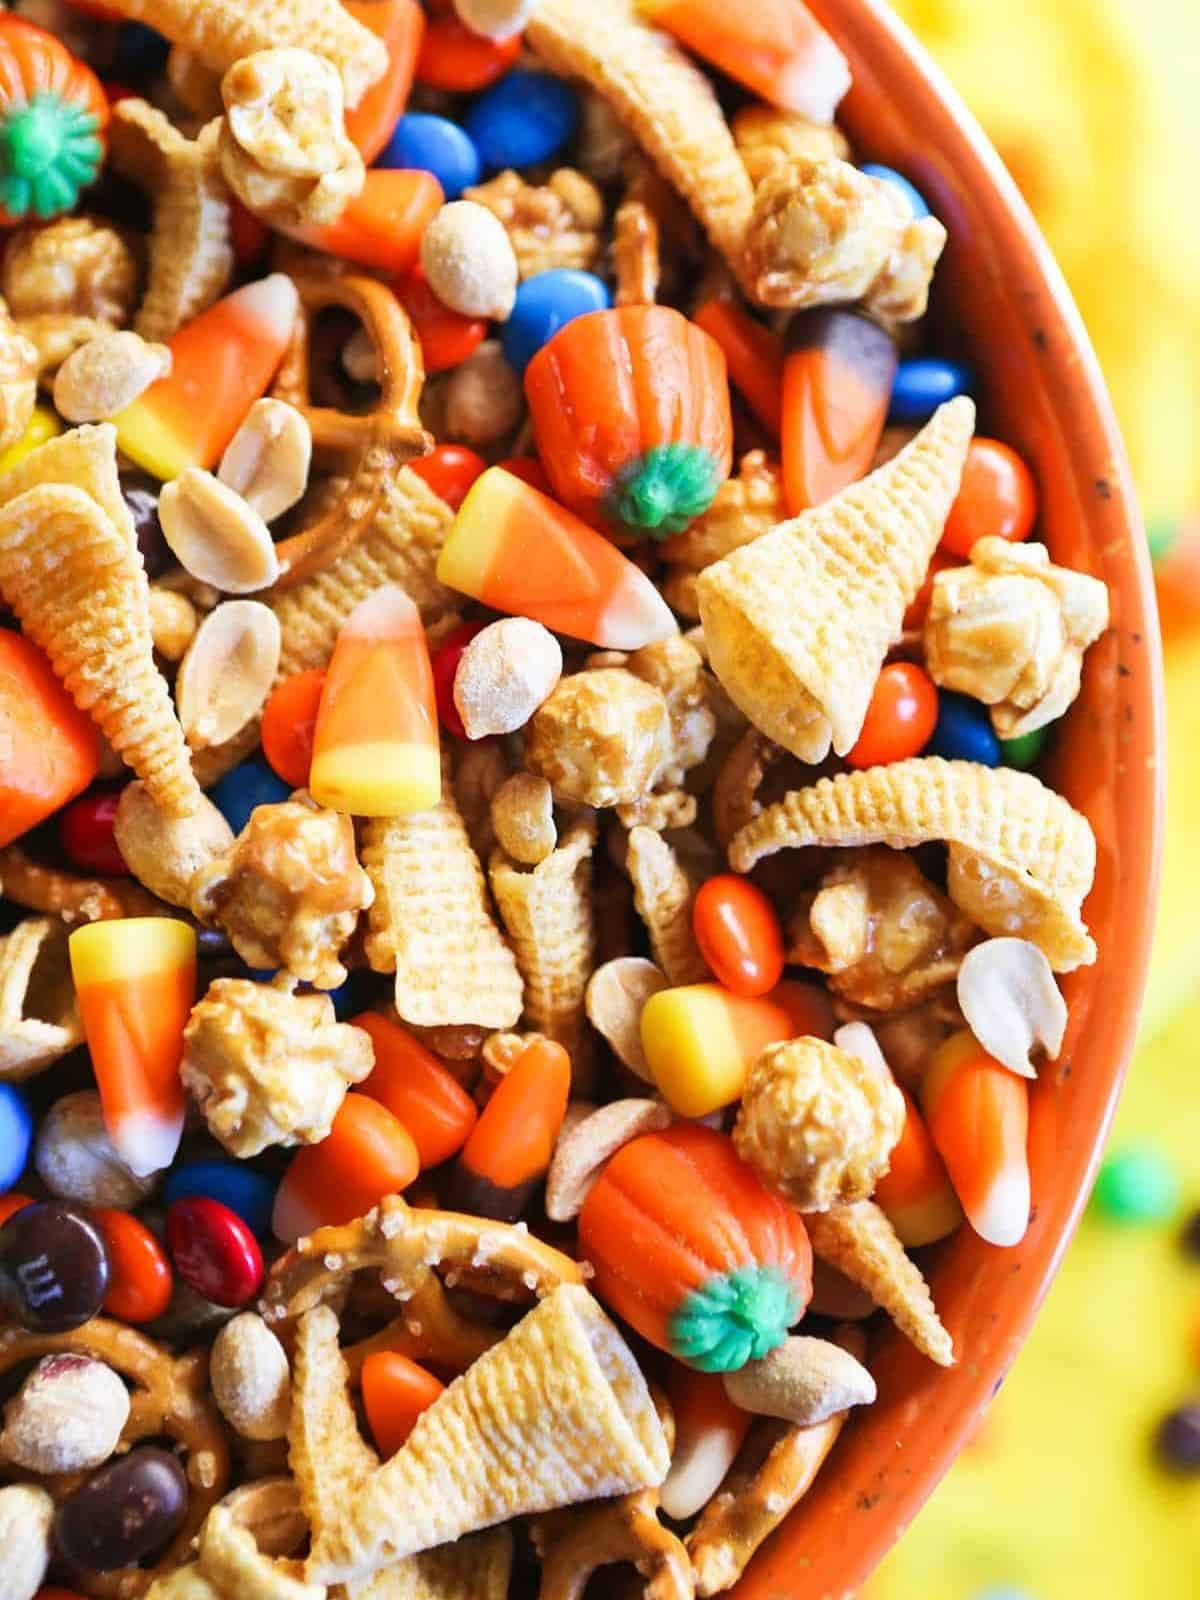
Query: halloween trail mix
526,893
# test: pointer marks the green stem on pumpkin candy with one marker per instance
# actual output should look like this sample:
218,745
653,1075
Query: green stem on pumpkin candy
665,489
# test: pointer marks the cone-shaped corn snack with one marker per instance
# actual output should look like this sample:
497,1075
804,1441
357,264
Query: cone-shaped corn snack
430,922
798,623
478,1568
329,1458
401,547
220,32
39,1020
666,103
861,1243
85,458
1021,859
663,894
558,1412
191,248
80,591
548,915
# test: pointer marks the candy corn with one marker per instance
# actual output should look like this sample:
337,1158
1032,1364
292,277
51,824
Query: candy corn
136,979
376,751
978,1116
395,1391
369,1153
517,550
915,1192
221,363
709,1432
42,425
701,1040
752,354
510,1149
837,383
401,26
413,1084
382,226
49,751
775,47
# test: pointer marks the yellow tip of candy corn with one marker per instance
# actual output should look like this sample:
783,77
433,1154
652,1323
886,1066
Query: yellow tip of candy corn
379,779
130,947
692,1049
42,425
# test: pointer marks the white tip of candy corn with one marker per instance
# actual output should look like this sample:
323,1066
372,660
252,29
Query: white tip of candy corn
146,1141
635,616
1003,1216
293,1215
272,303
818,81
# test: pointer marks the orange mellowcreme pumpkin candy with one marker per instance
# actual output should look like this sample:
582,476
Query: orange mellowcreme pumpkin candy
691,1249
631,411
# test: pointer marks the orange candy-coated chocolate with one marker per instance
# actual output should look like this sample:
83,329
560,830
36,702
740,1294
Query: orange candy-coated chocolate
395,1392
139,1274
411,1082
900,718
738,934
289,723
369,1153
49,750
998,499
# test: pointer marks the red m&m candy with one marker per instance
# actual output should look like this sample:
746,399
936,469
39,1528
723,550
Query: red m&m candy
86,831
214,1251
445,669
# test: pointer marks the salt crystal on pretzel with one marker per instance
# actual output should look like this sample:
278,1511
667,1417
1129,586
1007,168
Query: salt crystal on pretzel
862,1244
755,1499
797,624
668,104
549,918
191,248
1021,858
556,1413
220,32
39,1020
663,894
80,591
430,922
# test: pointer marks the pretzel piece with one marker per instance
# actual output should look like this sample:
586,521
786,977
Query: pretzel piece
170,1397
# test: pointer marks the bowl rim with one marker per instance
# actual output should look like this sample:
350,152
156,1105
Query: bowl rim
864,1512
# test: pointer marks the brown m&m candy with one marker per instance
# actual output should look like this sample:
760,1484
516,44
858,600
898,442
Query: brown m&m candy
53,1267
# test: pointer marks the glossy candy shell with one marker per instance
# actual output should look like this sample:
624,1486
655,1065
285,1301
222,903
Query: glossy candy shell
1046,398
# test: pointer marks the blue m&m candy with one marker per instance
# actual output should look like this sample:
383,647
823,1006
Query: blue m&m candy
16,1134
525,118
544,304
963,731
433,144
925,383
244,1190
238,792
898,181
141,51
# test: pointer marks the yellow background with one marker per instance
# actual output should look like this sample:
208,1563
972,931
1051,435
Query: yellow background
1096,106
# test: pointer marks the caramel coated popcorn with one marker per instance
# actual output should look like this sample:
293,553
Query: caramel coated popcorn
769,138
601,738
884,934
817,1123
1011,630
268,1067
18,380
73,267
283,147
824,233
289,892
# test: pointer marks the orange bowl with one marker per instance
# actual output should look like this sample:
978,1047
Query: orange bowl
1001,298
